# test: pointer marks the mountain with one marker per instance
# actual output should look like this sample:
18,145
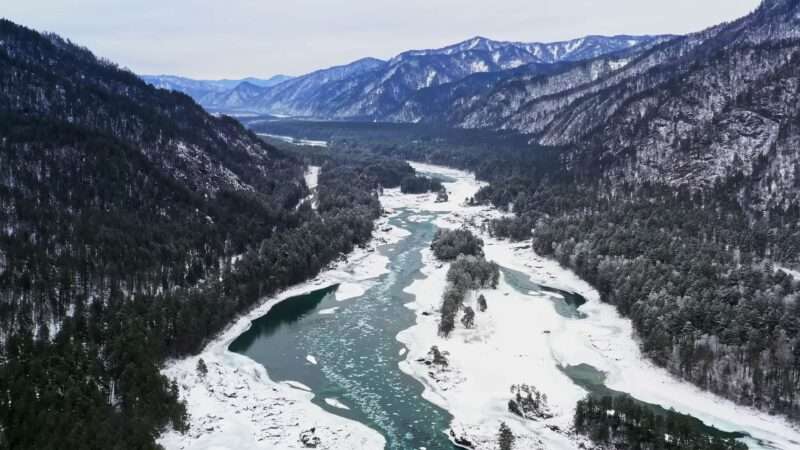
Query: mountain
134,226
376,90
239,98
314,89
198,89
450,103
695,110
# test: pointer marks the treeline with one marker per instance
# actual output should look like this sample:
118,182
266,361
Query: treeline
419,185
620,423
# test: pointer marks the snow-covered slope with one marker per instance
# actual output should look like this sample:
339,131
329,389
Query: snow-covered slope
378,93
199,89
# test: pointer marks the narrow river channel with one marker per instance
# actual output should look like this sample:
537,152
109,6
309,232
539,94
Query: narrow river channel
354,345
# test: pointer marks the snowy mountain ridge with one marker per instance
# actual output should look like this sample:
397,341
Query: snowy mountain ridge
376,90
571,50
200,88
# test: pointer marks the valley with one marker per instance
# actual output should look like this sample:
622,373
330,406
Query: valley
590,242
386,297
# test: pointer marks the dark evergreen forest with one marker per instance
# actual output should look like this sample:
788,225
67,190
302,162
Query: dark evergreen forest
621,423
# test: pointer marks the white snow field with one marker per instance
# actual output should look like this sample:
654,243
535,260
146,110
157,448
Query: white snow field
519,339
312,177
295,141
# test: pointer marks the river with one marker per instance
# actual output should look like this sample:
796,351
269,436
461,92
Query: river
359,353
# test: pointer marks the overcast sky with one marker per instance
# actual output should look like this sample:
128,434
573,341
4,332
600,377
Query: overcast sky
238,38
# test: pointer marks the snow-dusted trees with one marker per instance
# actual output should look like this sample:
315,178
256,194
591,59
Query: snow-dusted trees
528,402
472,272
505,438
437,357
623,423
465,274
482,303
417,184
448,244
468,319
202,368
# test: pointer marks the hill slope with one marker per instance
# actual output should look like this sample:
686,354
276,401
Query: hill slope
134,226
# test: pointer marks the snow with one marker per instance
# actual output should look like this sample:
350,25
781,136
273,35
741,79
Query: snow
336,403
347,291
618,63
297,385
295,141
312,177
327,311
430,78
478,67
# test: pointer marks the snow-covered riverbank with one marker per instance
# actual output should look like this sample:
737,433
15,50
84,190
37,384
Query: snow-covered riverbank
522,339
236,405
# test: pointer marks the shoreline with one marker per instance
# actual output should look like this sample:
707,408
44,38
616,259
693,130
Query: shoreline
520,339
236,405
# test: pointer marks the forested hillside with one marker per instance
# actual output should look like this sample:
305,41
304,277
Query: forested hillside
698,271
133,227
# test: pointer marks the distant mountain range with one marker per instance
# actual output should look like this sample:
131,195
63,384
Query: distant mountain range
698,109
379,90
200,89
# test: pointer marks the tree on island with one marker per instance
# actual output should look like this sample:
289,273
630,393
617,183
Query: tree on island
468,320
505,437
441,196
202,369
482,303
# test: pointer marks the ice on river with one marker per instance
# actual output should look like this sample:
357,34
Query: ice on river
336,403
